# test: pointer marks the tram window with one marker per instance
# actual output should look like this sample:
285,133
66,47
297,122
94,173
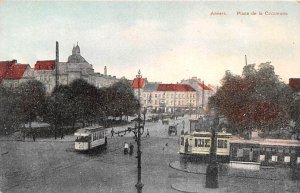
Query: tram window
83,139
274,158
222,143
202,142
207,142
287,159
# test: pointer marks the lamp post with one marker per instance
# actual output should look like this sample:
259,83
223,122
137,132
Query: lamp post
137,130
212,168
139,185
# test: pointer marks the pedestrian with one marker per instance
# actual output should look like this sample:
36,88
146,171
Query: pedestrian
112,132
62,134
125,148
148,134
33,136
131,147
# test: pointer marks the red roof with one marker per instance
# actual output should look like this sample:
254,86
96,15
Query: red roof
295,84
45,65
138,83
203,86
4,67
174,87
16,71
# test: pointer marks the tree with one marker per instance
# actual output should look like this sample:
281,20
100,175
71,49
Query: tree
257,99
32,96
10,111
58,108
125,103
84,96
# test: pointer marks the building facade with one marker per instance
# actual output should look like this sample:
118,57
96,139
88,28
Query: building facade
203,92
52,72
190,95
12,73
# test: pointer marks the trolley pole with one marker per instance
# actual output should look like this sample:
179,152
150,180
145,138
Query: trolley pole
139,185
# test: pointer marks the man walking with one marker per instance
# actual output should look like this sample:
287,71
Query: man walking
112,132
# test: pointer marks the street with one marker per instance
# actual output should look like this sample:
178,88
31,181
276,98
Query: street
49,165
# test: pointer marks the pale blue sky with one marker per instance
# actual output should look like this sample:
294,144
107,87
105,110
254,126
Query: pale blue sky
168,41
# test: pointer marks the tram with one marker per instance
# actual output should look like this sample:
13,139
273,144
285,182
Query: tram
197,145
90,137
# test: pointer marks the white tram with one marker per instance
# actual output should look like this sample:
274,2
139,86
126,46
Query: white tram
90,137
199,143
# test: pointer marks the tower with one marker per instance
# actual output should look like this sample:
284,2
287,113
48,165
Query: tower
105,71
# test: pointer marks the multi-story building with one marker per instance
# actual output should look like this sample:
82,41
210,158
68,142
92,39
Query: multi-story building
203,92
169,97
52,72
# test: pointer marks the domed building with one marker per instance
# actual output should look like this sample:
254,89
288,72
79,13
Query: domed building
66,72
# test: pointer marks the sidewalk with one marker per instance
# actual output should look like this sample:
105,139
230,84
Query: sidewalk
235,180
67,138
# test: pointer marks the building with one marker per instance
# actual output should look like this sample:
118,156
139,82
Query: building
13,73
169,97
203,92
52,72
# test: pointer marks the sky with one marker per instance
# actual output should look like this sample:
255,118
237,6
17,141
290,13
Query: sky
168,41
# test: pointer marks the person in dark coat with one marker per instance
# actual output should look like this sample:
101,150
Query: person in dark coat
131,147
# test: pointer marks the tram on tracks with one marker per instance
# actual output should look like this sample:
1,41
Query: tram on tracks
261,152
197,145
90,137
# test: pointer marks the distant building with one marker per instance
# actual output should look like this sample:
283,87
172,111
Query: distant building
169,97
203,92
13,73
50,72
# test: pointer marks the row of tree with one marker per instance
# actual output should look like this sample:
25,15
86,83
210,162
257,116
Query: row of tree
257,99
67,105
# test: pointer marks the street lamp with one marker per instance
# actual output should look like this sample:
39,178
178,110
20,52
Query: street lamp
139,185
137,130
212,168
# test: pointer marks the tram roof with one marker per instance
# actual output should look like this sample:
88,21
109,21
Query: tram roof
206,133
88,130
268,142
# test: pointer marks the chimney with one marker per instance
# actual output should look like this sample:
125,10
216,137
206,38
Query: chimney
105,71
57,53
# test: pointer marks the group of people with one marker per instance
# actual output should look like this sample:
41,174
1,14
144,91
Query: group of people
128,148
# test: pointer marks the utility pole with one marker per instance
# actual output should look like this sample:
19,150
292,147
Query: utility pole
246,60
56,85
56,64
212,168
139,185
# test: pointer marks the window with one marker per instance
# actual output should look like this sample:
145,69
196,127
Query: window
155,95
182,141
262,157
222,143
274,158
202,142
287,159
